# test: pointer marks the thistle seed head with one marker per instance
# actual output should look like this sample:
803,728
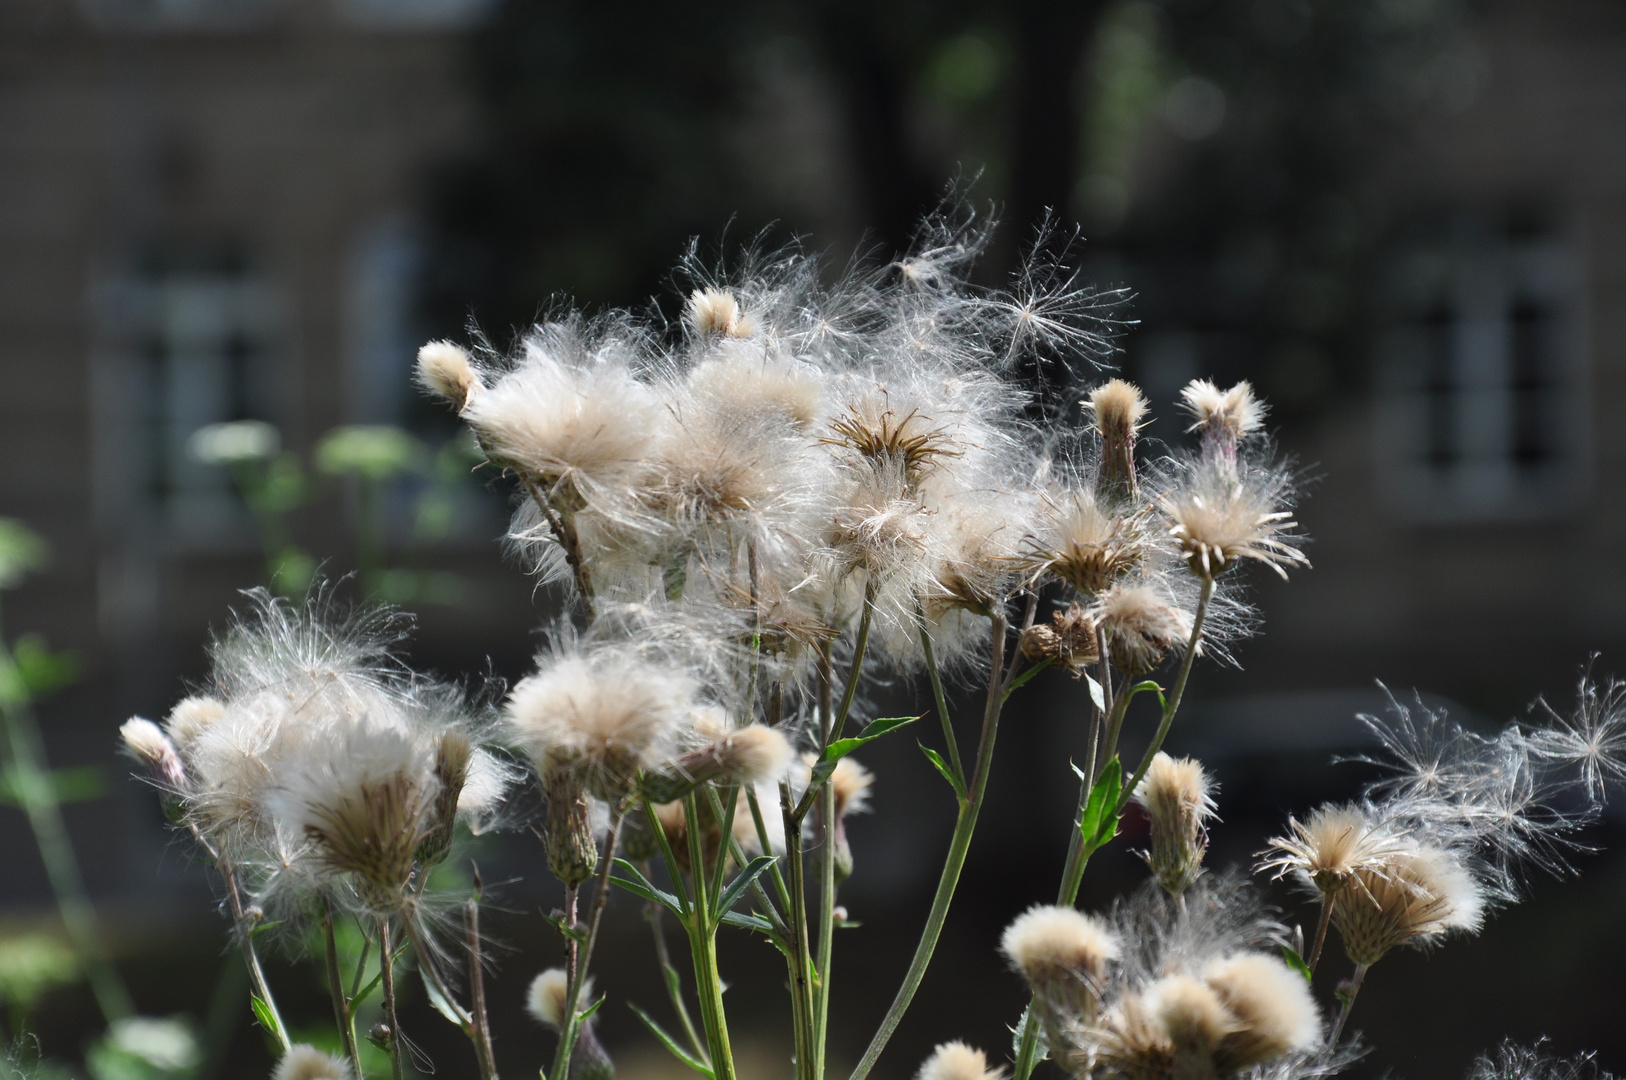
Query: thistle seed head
444,370
1415,898
957,1061
305,1062
1178,800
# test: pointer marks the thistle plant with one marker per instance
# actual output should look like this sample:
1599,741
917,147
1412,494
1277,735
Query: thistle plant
752,515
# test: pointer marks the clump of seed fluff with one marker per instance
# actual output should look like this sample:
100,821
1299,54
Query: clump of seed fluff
1178,801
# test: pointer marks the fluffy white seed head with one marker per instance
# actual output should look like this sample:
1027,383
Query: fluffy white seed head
1218,518
190,718
1087,543
1271,1004
146,742
1117,407
1223,416
444,370
1176,795
957,1061
1141,625
305,1062
546,998
606,714
1327,848
717,311
1416,897
849,787
743,380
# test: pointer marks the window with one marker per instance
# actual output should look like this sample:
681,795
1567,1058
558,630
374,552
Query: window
1481,408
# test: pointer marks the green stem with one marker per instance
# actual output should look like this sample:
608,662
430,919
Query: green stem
1352,988
1175,696
386,971
335,982
477,990
965,824
941,701
860,646
601,894
703,948
32,785
827,927
669,975
802,976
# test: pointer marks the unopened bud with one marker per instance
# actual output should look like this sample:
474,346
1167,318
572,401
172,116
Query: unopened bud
568,828
1175,793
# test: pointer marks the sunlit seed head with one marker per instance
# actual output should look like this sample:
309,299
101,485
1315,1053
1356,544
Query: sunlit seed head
1086,544
1222,417
1217,520
1178,801
1118,409
1419,896
755,753
1141,626
912,442
1193,1014
305,1062
444,370
190,718
1328,847
1271,1005
1049,944
749,383
957,1061
717,312
146,742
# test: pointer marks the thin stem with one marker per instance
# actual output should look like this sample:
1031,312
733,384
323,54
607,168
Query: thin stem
477,990
572,896
802,975
386,966
674,985
941,701
1119,709
1179,691
703,949
361,969
431,968
964,826
335,983
827,927
601,894
564,530
1321,931
1351,988
860,645
251,959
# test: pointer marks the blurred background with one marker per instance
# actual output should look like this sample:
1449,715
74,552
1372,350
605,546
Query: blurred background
1404,220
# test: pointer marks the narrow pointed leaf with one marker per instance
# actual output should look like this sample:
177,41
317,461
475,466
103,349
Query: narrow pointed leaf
737,887
638,885
1025,676
1099,823
671,1044
876,728
1097,695
942,766
1295,961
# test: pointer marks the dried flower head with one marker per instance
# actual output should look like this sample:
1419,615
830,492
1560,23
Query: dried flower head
1118,409
912,443
1326,849
305,1062
1141,626
1217,518
1421,894
1224,418
957,1061
444,370
1082,542
1178,800
1069,641
717,312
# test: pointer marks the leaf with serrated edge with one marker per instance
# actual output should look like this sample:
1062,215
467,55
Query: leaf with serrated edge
874,730
737,887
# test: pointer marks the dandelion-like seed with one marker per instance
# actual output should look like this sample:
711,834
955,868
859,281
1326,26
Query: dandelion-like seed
1178,800
1086,544
957,1061
1511,1061
1592,737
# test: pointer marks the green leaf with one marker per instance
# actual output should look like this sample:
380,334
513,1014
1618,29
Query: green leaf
737,887
942,766
1295,961
587,1013
842,747
671,1044
261,928
1024,677
375,451
438,1000
1099,822
267,1019
638,885
748,922
78,783
1148,685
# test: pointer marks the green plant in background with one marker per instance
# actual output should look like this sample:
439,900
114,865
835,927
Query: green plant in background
29,670
370,462
32,964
